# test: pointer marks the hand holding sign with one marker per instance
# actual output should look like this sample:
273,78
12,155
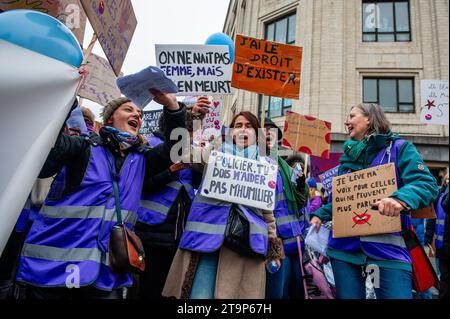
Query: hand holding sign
202,105
169,100
389,207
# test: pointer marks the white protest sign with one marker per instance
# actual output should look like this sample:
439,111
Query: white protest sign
196,69
34,105
211,124
239,180
434,102
137,86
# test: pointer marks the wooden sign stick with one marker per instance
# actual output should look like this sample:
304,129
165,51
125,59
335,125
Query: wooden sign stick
306,165
86,56
263,111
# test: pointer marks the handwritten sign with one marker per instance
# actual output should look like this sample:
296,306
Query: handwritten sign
434,102
353,196
327,178
69,12
196,69
319,165
137,86
307,134
150,122
240,180
267,67
114,23
211,124
100,85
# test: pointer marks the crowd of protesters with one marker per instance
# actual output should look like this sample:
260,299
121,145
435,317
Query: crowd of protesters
71,211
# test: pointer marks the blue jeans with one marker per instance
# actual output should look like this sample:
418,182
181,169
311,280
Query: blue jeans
287,282
204,282
351,284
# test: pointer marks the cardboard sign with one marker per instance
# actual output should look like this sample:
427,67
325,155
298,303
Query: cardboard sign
267,67
434,102
100,85
239,180
150,122
68,12
426,212
327,178
196,69
320,165
211,124
114,23
353,196
307,134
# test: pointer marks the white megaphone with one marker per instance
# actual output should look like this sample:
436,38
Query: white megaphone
39,58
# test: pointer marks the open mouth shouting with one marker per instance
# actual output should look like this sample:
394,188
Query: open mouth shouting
134,124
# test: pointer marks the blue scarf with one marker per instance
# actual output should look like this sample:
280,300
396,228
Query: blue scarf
125,139
250,152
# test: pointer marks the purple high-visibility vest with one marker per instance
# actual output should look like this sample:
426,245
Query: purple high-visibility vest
440,221
385,246
207,220
288,223
68,242
154,208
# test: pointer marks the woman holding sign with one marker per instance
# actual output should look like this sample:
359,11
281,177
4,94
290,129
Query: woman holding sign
68,244
206,265
372,143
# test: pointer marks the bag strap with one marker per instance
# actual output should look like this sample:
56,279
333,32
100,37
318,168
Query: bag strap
115,178
302,270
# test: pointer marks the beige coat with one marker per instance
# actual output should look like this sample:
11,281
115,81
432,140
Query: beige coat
238,277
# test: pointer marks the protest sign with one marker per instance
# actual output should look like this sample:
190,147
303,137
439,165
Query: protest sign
150,122
319,165
353,196
136,86
38,102
211,125
100,85
434,102
267,67
196,69
240,180
327,178
68,12
307,134
114,23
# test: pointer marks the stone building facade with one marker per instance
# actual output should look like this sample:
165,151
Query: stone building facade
354,51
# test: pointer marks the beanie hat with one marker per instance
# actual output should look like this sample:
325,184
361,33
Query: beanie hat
269,123
112,105
311,182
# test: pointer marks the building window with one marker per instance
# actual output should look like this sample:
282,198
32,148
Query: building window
386,21
283,31
394,95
